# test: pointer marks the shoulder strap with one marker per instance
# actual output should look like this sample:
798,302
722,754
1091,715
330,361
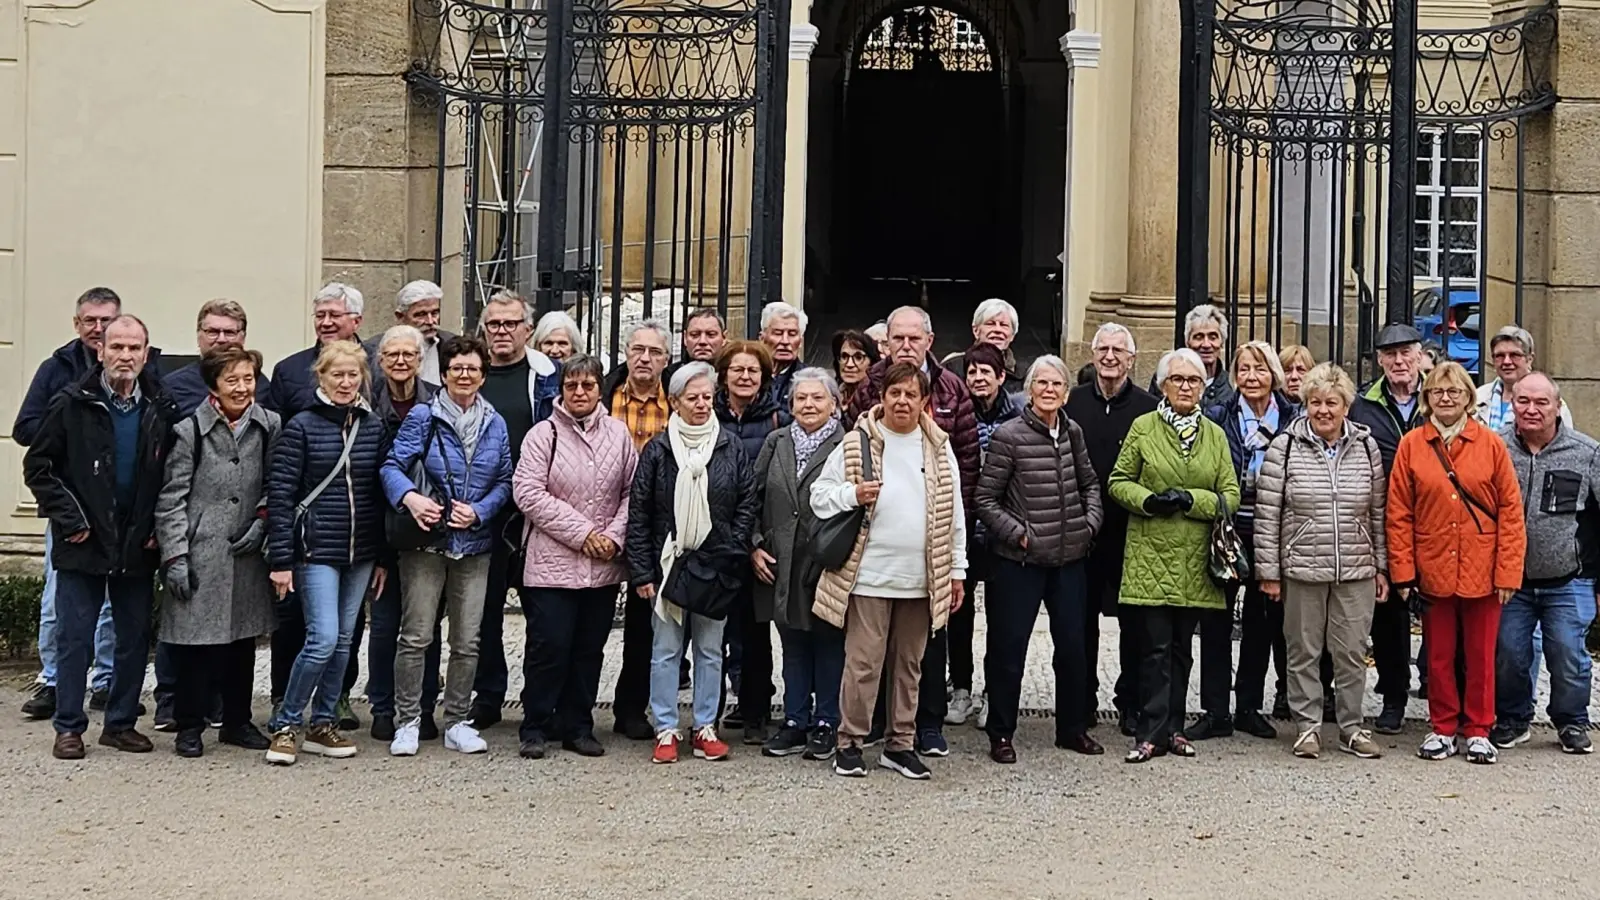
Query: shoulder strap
1472,503
555,436
866,456
344,460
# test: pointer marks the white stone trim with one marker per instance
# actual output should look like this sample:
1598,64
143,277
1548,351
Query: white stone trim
802,40
1081,48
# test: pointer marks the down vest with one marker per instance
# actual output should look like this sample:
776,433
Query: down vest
1320,520
1041,488
345,524
730,492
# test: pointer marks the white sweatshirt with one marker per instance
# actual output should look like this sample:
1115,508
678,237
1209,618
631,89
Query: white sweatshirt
894,563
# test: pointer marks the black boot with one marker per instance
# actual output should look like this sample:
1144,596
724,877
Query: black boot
1209,726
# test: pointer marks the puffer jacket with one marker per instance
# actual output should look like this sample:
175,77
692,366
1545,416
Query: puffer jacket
951,409
572,481
484,483
1437,542
344,526
1166,557
730,492
1041,488
751,427
1320,520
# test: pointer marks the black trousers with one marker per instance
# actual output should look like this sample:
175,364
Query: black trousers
563,654
963,622
753,638
206,670
1130,656
1216,658
1012,609
1261,638
489,684
1391,650
631,701
1164,671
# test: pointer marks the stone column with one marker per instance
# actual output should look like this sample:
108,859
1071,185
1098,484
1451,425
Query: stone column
802,40
1082,50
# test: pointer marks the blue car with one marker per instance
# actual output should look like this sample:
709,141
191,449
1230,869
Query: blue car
1452,328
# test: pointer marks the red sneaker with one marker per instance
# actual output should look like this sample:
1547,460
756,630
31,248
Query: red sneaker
666,748
708,746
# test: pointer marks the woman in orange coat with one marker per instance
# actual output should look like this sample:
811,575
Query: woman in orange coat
1456,538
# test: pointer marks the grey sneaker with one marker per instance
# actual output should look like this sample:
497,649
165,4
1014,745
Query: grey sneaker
1439,746
1361,745
1308,745
1480,751
1574,739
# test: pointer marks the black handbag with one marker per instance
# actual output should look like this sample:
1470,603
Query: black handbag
835,537
399,526
1226,560
706,583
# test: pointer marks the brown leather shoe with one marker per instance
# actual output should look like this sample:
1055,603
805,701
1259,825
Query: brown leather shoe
128,741
1080,743
1002,751
68,746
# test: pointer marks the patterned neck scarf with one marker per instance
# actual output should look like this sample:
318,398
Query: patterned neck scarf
1258,431
1187,427
805,445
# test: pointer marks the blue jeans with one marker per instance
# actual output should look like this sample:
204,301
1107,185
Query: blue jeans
79,599
1563,615
813,665
384,629
665,652
330,597
104,642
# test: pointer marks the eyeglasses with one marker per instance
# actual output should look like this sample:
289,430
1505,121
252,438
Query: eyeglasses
582,386
1454,393
1118,352
745,370
464,371
501,326
1186,381
217,334
852,359
95,321
401,355
328,315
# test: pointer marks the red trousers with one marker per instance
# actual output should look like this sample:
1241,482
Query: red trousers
1471,624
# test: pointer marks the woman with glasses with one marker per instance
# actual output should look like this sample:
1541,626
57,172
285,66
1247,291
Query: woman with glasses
1456,539
853,357
461,444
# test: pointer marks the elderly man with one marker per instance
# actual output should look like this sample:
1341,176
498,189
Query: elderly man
221,323
1205,331
1105,409
522,385
418,305
783,330
1559,472
67,365
95,467
336,310
1511,348
1389,407
995,323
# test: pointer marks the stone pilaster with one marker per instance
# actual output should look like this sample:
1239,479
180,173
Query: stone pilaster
802,40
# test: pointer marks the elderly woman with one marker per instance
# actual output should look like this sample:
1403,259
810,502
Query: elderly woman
693,493
1295,360
1251,415
557,336
393,396
572,483
1175,477
786,575
324,537
218,597
879,333
1456,537
1320,552
459,442
854,354
1039,499
907,570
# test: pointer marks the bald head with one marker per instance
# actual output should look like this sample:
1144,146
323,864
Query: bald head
1537,384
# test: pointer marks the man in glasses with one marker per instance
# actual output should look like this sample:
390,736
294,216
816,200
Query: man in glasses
221,323
336,310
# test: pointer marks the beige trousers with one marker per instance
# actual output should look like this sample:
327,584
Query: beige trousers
1338,618
879,631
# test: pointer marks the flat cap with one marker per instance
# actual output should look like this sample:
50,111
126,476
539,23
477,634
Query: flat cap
1397,335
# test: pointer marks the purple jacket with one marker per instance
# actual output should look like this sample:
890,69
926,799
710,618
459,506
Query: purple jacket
570,482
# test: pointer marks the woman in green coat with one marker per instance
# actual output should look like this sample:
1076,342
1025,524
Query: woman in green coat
1174,475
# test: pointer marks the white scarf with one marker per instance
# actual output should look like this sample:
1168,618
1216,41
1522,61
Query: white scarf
691,449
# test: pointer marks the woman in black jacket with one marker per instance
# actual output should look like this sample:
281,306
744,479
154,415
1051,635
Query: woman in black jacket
693,493
324,538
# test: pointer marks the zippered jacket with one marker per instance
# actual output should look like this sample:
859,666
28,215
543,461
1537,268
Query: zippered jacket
344,525
1560,505
1320,520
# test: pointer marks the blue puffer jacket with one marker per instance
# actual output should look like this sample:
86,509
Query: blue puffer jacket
485,483
344,526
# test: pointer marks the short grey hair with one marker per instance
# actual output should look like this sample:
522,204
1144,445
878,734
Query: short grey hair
992,307
878,330
1182,354
1201,315
415,292
507,297
1110,329
705,312
1513,333
658,327
689,372
1054,362
781,310
401,333
919,312
338,291
1555,388
820,376
558,320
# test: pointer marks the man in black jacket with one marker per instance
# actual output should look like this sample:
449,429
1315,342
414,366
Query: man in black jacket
95,468
221,323
1105,409
337,312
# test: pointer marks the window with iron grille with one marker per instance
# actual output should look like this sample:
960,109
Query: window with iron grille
1449,212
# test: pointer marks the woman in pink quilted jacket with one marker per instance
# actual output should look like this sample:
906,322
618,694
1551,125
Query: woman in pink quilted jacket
572,484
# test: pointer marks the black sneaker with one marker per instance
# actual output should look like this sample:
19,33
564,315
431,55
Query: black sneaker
383,727
906,763
189,745
634,729
1255,725
1506,735
931,742
42,705
584,745
874,736
821,742
1392,719
733,719
99,699
755,734
166,716
848,762
484,715
429,729
1280,708
1209,726
789,740
246,736
1574,739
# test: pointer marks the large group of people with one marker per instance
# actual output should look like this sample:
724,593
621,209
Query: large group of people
400,490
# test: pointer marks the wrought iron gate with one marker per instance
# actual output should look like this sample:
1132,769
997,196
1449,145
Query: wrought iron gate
1338,167
620,159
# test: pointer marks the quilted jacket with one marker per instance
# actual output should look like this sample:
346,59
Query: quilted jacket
1041,488
344,526
951,409
1165,561
1437,543
731,494
572,481
484,483
1320,520
751,427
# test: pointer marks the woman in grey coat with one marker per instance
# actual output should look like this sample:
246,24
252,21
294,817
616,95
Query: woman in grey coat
211,525
786,576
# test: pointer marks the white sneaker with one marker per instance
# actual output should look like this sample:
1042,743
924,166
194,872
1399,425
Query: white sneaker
1481,751
960,707
981,708
463,737
405,739
1438,746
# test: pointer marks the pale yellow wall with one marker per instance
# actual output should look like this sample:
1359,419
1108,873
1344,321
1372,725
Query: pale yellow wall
170,149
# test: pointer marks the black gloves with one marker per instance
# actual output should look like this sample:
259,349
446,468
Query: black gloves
177,579
1169,502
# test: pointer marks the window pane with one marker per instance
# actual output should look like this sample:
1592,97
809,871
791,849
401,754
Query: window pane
1425,207
1425,172
1464,210
1463,174
1466,145
1422,264
1463,237
1464,265
1422,236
